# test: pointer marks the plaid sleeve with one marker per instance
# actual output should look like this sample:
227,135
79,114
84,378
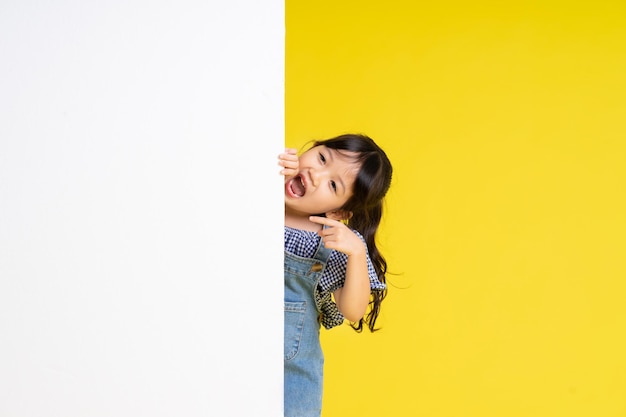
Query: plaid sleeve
330,315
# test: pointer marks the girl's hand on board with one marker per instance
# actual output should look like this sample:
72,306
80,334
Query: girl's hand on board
339,237
289,161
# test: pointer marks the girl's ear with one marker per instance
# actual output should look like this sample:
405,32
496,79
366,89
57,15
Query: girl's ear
339,215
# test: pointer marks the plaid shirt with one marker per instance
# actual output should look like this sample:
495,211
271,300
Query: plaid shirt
304,243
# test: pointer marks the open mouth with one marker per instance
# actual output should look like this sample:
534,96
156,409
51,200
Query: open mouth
295,186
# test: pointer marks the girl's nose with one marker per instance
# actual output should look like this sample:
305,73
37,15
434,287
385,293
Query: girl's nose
315,176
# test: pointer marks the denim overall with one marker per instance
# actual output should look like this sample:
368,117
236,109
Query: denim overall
304,360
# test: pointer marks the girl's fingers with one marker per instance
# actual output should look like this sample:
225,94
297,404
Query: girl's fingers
288,164
290,156
324,221
289,161
292,160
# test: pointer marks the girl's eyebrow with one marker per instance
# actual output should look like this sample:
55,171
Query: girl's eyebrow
330,153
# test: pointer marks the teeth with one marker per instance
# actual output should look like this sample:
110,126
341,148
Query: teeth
296,186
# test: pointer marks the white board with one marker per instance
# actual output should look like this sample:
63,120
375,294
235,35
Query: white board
141,208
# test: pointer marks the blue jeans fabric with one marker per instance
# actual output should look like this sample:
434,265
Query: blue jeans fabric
304,360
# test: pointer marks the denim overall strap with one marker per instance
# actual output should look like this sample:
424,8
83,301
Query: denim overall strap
304,360
322,253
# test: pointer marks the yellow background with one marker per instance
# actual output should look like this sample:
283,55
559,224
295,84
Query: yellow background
506,221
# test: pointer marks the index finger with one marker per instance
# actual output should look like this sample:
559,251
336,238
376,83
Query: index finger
323,220
289,155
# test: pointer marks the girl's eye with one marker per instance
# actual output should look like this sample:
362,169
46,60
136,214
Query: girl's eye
334,185
322,158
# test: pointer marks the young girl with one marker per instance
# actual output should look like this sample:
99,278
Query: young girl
333,205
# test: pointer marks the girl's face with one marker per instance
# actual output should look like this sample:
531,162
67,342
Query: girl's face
324,182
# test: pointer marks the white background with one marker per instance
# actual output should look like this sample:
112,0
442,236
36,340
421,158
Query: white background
141,208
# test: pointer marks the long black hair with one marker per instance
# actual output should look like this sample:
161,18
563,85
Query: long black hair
366,204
